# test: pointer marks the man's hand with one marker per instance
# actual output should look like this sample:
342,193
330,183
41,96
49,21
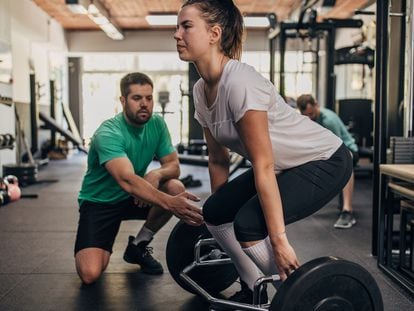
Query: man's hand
181,206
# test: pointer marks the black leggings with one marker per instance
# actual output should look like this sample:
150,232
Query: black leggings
304,190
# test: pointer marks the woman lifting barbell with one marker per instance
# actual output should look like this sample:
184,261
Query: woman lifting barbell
240,110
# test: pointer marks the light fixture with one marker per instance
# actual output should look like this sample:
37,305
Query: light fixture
171,20
98,14
75,7
161,19
256,21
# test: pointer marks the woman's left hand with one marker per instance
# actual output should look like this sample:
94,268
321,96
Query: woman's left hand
285,256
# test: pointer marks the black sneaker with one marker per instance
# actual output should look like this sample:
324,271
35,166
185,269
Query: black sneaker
245,295
141,254
345,221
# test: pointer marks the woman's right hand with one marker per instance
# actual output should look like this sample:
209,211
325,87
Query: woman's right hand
181,206
285,256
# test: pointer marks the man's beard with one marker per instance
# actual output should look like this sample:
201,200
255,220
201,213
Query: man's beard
135,119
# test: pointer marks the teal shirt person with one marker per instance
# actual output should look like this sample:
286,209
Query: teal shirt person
330,120
116,138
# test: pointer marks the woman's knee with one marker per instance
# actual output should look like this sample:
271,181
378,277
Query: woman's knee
211,213
247,230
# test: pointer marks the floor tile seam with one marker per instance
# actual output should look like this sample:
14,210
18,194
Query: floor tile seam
14,286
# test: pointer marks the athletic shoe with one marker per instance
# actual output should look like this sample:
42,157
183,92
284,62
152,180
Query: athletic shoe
345,221
141,254
245,295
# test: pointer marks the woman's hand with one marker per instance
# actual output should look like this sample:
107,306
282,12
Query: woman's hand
285,256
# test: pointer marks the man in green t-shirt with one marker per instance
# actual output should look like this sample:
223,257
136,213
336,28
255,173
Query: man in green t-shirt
308,106
118,186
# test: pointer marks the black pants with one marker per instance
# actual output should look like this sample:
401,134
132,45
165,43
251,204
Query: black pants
304,190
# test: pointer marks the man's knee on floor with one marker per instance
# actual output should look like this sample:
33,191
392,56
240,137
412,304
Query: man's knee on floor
89,274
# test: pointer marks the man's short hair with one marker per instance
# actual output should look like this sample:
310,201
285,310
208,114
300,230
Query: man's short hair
304,100
134,78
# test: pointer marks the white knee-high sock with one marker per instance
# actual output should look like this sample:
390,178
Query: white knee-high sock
225,237
262,255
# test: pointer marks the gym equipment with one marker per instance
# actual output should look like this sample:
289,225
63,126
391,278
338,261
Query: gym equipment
25,172
52,124
13,187
212,277
322,284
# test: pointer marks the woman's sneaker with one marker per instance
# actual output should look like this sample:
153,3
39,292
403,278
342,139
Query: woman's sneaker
141,254
345,221
245,295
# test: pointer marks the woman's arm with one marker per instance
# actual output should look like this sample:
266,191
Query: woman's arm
253,130
218,162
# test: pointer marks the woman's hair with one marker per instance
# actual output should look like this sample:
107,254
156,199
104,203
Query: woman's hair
225,14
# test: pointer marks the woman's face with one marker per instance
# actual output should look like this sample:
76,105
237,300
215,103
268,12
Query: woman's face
193,35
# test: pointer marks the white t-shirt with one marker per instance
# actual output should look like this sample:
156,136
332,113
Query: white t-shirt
295,138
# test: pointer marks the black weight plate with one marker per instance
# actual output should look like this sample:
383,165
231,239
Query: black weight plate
328,283
180,253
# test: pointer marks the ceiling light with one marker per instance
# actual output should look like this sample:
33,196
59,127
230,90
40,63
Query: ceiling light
76,7
162,20
171,20
98,14
256,21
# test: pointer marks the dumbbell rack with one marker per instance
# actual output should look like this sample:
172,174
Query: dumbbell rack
25,172
6,140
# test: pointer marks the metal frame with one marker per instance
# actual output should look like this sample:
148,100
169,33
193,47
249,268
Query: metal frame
215,257
329,27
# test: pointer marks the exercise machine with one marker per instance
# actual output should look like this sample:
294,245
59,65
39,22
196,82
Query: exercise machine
199,266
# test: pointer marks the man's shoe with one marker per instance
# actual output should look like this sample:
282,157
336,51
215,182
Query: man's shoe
141,254
345,221
245,295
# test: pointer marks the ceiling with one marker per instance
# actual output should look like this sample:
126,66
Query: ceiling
130,14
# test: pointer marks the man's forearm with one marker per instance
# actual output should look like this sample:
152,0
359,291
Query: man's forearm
167,171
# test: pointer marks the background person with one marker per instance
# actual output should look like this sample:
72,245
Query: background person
117,184
240,110
308,106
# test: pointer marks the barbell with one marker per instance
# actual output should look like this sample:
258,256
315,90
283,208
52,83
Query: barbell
329,283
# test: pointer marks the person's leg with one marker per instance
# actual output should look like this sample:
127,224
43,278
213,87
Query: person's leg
90,263
157,216
318,182
97,229
346,218
347,193
138,251
219,211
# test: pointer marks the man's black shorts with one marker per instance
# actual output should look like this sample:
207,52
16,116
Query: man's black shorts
99,222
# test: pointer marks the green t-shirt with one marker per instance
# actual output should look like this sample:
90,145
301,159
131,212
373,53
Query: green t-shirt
330,120
115,138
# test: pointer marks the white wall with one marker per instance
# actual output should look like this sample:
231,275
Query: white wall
38,45
34,36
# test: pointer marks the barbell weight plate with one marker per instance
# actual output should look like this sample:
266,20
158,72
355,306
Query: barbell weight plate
180,253
328,283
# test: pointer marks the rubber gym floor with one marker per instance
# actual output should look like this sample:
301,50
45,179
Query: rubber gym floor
37,236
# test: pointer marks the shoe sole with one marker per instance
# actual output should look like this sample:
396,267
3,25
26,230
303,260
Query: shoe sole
345,226
143,269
